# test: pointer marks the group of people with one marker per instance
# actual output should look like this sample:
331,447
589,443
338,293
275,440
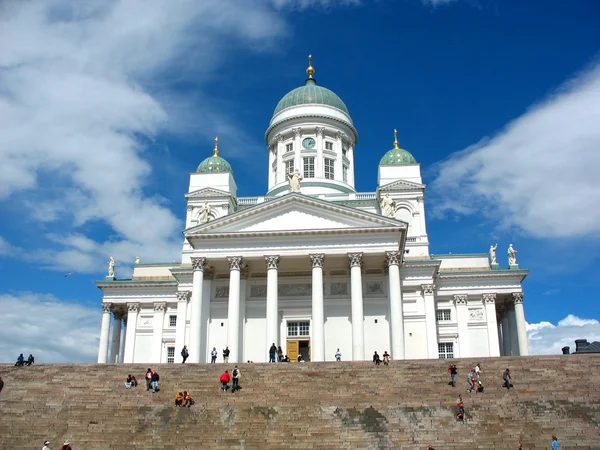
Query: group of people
234,378
184,399
214,353
21,360
152,378
66,446
377,359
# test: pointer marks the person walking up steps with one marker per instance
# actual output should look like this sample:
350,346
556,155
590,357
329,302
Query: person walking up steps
184,354
236,379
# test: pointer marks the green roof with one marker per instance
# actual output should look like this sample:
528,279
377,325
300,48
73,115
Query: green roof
397,157
309,94
214,164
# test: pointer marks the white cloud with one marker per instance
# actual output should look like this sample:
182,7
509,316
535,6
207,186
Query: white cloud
540,173
437,2
50,329
79,103
546,338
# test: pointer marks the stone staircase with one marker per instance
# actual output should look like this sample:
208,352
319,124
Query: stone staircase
350,405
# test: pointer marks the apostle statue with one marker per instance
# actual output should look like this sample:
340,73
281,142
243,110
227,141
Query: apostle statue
204,215
493,254
111,267
294,179
137,260
512,256
388,206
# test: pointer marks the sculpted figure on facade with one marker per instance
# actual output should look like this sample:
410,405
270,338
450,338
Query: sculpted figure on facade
137,260
111,267
294,178
204,214
388,206
493,254
512,256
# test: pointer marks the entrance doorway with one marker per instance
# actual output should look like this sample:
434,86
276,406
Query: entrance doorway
297,347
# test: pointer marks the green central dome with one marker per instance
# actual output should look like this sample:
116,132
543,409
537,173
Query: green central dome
311,94
397,156
214,163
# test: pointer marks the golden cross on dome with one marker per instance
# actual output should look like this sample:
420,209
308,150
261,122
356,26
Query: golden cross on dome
396,145
310,71
216,150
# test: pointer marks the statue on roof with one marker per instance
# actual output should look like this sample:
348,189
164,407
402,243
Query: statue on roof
204,215
388,206
294,178
512,256
493,254
111,267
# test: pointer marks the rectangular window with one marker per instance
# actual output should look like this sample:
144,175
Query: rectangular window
446,350
170,355
289,147
328,145
292,329
344,151
329,168
345,173
295,329
289,166
443,315
172,321
303,328
309,167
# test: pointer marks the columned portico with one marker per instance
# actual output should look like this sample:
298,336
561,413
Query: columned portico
182,302
272,314
196,312
430,320
104,333
462,313
132,316
521,324
157,332
356,300
233,309
394,259
318,314
492,323
116,336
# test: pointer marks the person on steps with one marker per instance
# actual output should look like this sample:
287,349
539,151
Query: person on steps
338,355
461,409
66,446
1,384
386,358
213,355
225,379
187,399
155,379
453,373
235,374
272,353
184,354
30,360
471,381
20,361
148,378
226,354
506,377
376,359
555,443
179,399
46,444
130,382
279,354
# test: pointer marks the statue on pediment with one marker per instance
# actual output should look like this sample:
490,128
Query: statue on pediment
294,178
493,254
388,206
512,256
111,267
204,214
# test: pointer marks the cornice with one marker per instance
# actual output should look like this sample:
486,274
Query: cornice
283,233
135,283
310,116
507,273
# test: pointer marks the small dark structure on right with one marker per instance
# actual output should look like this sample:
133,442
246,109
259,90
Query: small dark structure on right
583,346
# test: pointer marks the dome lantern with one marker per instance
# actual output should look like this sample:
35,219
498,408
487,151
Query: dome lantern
397,156
214,163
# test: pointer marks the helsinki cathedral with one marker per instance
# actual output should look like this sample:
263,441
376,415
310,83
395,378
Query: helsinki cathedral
313,265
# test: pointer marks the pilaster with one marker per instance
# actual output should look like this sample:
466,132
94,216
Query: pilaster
462,317
430,320
356,299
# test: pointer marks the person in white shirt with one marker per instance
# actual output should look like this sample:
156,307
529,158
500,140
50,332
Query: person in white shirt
46,444
338,355
477,371
213,355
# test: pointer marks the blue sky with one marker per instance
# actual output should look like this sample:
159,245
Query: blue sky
106,107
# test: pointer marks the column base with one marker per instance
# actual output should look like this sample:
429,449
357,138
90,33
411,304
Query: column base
495,266
513,266
109,278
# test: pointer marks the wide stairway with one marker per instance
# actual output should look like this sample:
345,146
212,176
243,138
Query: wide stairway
408,405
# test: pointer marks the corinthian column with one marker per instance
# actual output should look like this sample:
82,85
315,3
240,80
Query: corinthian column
272,307
394,259
182,300
104,332
431,321
317,346
132,316
233,311
116,336
196,305
506,344
492,323
462,317
157,333
356,299
521,325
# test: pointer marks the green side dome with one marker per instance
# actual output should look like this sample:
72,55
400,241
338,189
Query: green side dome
215,164
397,156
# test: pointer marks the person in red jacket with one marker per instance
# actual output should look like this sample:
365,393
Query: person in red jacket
225,379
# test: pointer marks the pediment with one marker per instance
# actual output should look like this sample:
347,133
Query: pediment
207,193
295,212
401,185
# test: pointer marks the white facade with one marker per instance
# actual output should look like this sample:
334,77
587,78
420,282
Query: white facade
313,271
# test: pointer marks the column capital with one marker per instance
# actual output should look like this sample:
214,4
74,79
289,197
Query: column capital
517,297
160,306
235,262
355,259
279,137
393,258
106,307
319,131
489,298
133,307
317,260
297,131
460,299
272,261
198,263
428,289
183,296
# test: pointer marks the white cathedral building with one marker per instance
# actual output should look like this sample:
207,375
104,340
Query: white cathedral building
313,265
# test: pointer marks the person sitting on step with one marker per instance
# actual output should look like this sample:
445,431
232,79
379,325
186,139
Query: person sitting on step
386,358
179,399
300,358
376,359
30,360
130,382
66,446
461,409
187,399
20,361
